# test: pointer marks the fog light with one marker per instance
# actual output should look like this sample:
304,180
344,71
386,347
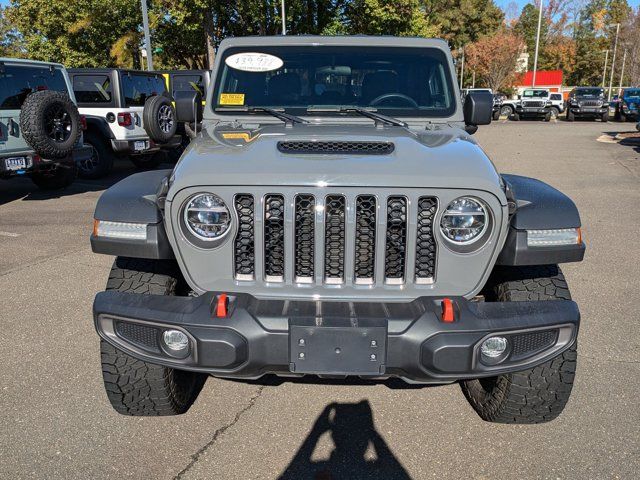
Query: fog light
493,349
175,340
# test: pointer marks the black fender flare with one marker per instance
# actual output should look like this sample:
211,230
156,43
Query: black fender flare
100,125
135,199
538,206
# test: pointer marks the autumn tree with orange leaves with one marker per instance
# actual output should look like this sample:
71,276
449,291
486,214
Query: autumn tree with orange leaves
493,58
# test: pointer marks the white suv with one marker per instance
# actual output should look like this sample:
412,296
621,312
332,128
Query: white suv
117,105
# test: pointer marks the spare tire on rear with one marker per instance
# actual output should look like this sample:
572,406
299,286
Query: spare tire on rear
50,123
159,118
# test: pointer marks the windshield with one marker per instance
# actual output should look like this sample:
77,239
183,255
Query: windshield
535,94
414,82
632,92
590,92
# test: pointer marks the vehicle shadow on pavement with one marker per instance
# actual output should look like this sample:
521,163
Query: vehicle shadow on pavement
359,451
24,189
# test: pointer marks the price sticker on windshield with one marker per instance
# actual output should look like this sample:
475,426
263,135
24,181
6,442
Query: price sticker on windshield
232,99
254,62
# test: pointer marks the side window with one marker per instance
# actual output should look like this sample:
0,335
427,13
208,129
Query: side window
17,81
92,88
187,83
137,88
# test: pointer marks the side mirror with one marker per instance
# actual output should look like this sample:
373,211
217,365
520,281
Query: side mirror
188,106
477,110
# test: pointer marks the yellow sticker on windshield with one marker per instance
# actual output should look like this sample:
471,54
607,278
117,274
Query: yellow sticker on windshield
232,99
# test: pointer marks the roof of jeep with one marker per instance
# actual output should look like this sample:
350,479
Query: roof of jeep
344,40
109,70
29,62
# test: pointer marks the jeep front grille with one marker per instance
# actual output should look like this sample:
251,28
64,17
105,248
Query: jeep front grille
591,103
360,239
536,104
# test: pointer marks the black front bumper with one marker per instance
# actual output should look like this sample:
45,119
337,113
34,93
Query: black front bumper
374,340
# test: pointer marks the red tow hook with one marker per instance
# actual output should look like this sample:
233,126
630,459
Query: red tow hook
447,311
222,306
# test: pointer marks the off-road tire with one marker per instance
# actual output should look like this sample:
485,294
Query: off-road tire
570,116
496,115
547,117
555,112
515,117
539,394
135,387
605,117
37,108
149,161
159,118
56,179
101,163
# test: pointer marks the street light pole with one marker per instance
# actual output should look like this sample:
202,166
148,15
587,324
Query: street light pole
535,58
604,72
284,20
613,60
147,35
624,59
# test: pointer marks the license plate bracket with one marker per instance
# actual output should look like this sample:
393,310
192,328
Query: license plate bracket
338,346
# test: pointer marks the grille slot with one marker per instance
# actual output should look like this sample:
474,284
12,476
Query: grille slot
334,239
328,147
527,344
244,248
305,206
396,241
274,238
425,243
141,335
365,239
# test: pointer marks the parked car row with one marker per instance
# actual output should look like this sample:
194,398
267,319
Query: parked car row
56,123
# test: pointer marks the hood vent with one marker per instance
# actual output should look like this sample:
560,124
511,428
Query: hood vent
332,147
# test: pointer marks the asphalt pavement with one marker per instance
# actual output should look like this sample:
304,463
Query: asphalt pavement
56,422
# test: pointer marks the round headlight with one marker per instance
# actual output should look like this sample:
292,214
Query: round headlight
207,217
464,221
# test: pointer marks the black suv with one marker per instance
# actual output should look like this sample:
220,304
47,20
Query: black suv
587,102
129,114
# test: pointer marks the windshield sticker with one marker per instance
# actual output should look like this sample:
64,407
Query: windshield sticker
254,62
231,99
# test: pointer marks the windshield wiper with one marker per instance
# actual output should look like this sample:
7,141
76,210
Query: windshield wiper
278,113
365,112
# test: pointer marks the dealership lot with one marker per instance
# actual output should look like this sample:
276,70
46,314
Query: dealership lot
57,422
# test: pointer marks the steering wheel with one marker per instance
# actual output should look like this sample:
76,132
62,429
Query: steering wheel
385,96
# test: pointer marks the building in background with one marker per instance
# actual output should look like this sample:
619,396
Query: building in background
550,79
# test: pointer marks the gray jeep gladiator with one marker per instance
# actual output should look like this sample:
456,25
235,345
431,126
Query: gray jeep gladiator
334,217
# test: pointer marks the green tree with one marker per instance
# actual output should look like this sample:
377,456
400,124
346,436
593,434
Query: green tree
464,21
387,17
79,33
527,28
10,40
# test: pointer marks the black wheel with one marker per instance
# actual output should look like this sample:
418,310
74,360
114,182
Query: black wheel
515,117
604,117
159,118
555,112
150,161
570,116
60,177
548,116
101,161
496,115
135,387
50,123
539,394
